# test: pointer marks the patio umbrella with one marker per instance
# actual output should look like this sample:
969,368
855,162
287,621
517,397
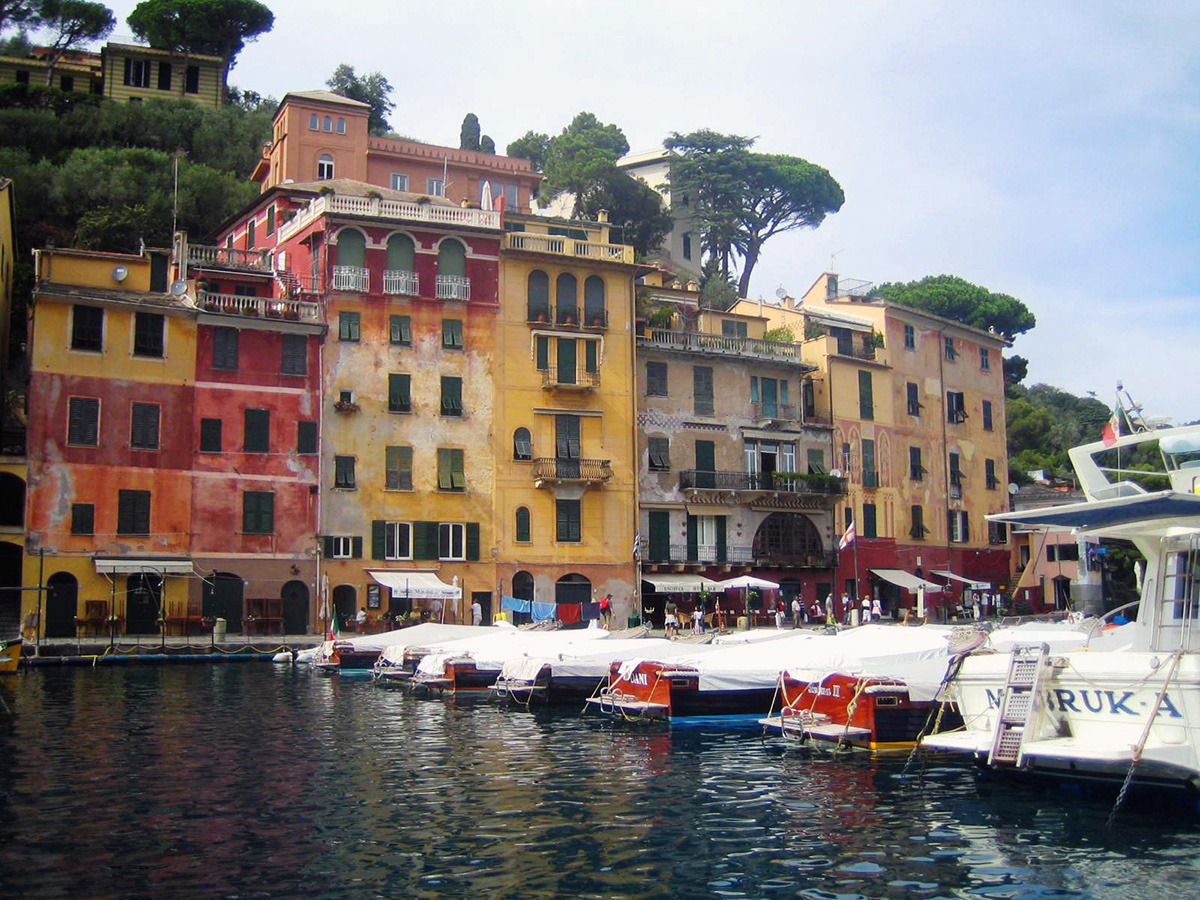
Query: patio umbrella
485,200
747,581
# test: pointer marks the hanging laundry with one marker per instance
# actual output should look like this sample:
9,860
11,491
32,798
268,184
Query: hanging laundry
591,611
570,613
543,611
512,604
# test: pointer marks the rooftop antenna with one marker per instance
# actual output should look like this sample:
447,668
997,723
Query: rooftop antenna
833,259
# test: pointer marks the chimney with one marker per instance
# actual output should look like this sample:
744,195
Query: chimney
693,287
602,218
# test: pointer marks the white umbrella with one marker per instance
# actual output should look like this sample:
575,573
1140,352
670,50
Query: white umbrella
485,200
747,581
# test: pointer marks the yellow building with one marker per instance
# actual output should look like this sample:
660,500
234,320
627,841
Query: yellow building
13,472
917,405
132,73
564,441
75,71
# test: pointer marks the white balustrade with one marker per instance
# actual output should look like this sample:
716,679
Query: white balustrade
351,278
399,281
453,287
399,210
267,307
565,246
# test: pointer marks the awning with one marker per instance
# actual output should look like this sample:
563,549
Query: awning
134,565
907,580
415,585
970,582
681,584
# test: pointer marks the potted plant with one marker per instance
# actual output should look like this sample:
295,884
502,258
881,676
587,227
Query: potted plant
291,314
286,215
325,191
346,406
876,340
597,320
250,310
374,195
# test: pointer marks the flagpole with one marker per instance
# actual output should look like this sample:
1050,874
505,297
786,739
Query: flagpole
856,598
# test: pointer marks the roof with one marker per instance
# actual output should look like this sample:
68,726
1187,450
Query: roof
158,51
351,188
73,292
324,97
828,315
642,157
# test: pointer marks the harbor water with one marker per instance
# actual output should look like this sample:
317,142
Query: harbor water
256,781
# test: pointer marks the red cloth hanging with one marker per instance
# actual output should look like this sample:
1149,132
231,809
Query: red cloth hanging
570,613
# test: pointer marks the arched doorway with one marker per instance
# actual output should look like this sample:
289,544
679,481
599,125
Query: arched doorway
10,583
787,537
222,599
62,605
573,588
12,510
295,607
522,589
345,603
143,594
351,248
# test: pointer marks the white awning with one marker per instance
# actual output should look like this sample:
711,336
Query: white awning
907,580
134,565
970,582
415,585
681,584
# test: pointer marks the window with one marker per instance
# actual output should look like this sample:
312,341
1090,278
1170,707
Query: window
916,471
566,299
660,454
324,167
133,512
271,219
341,125
399,400
987,415
870,477
687,245
314,122
730,328
998,534
452,541
87,328
83,518
143,426
957,526
956,407
594,312
148,334
258,512
250,239
348,323
989,467
866,397
537,297
591,357
656,379
210,435
306,437
566,437
914,399
816,461
523,529
868,521
951,353
337,547
451,475
569,529
918,529
67,82
258,431
137,72
401,331
452,334
327,122
398,468
702,388
225,348
23,76
956,478
985,359
83,421
451,395
522,444
435,186
346,397
848,516
192,80
910,338
397,540
343,472
295,355
543,353
399,182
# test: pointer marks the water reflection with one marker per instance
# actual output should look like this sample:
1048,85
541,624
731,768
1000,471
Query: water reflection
243,780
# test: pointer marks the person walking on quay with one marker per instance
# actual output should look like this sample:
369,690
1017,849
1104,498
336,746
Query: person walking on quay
779,614
698,619
847,605
671,620
606,611
476,612
797,611
876,610
829,620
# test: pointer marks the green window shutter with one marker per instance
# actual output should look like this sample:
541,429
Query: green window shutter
399,396
543,353
866,399
452,259
401,330
660,535
473,541
327,546
523,526
458,476
295,355
398,466
452,334
400,253
451,395
378,547
706,456
566,360
445,482
722,547
816,461
753,387
306,437
356,547
258,431
425,540
592,356
693,541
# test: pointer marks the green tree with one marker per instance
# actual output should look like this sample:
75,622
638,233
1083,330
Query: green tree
20,14
72,23
18,45
486,144
956,298
580,158
1015,370
372,89
633,206
533,147
717,291
468,134
217,27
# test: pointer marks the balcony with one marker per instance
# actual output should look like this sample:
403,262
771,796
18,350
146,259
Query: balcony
209,257
12,440
761,482
712,555
778,412
266,307
351,278
549,470
720,345
394,210
453,287
398,281
567,317
564,246
574,380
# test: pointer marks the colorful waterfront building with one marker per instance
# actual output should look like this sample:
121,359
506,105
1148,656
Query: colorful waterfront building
13,466
564,441
917,407
734,459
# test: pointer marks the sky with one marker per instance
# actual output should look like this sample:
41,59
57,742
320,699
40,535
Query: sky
1048,151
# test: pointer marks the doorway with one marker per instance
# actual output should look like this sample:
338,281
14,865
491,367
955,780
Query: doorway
345,605
522,589
222,599
295,607
10,589
484,599
143,596
62,601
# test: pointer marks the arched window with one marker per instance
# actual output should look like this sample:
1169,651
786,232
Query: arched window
324,167
341,126
351,248
523,525
786,537
329,123
566,297
345,603
594,313
12,510
452,259
522,444
539,296
401,254
573,588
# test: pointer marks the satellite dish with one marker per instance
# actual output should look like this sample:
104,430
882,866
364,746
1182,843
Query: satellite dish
781,292
1013,487
178,288
836,473
119,273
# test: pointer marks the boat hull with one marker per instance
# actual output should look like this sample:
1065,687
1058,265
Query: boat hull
10,655
655,690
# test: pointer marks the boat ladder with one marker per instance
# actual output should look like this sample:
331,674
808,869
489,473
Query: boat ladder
1021,704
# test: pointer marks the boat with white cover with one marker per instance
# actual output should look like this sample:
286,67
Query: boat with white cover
1124,705
361,651
572,675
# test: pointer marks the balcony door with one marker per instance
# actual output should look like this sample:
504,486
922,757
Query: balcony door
566,443
660,535
566,361
768,463
770,400
706,464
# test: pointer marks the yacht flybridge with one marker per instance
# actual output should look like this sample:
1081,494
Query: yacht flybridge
1125,705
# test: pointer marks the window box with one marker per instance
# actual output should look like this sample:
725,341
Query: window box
346,406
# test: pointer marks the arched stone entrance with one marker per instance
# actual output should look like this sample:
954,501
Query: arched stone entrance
62,605
295,607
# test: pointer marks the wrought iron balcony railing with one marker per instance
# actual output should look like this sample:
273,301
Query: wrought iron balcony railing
576,379
553,470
